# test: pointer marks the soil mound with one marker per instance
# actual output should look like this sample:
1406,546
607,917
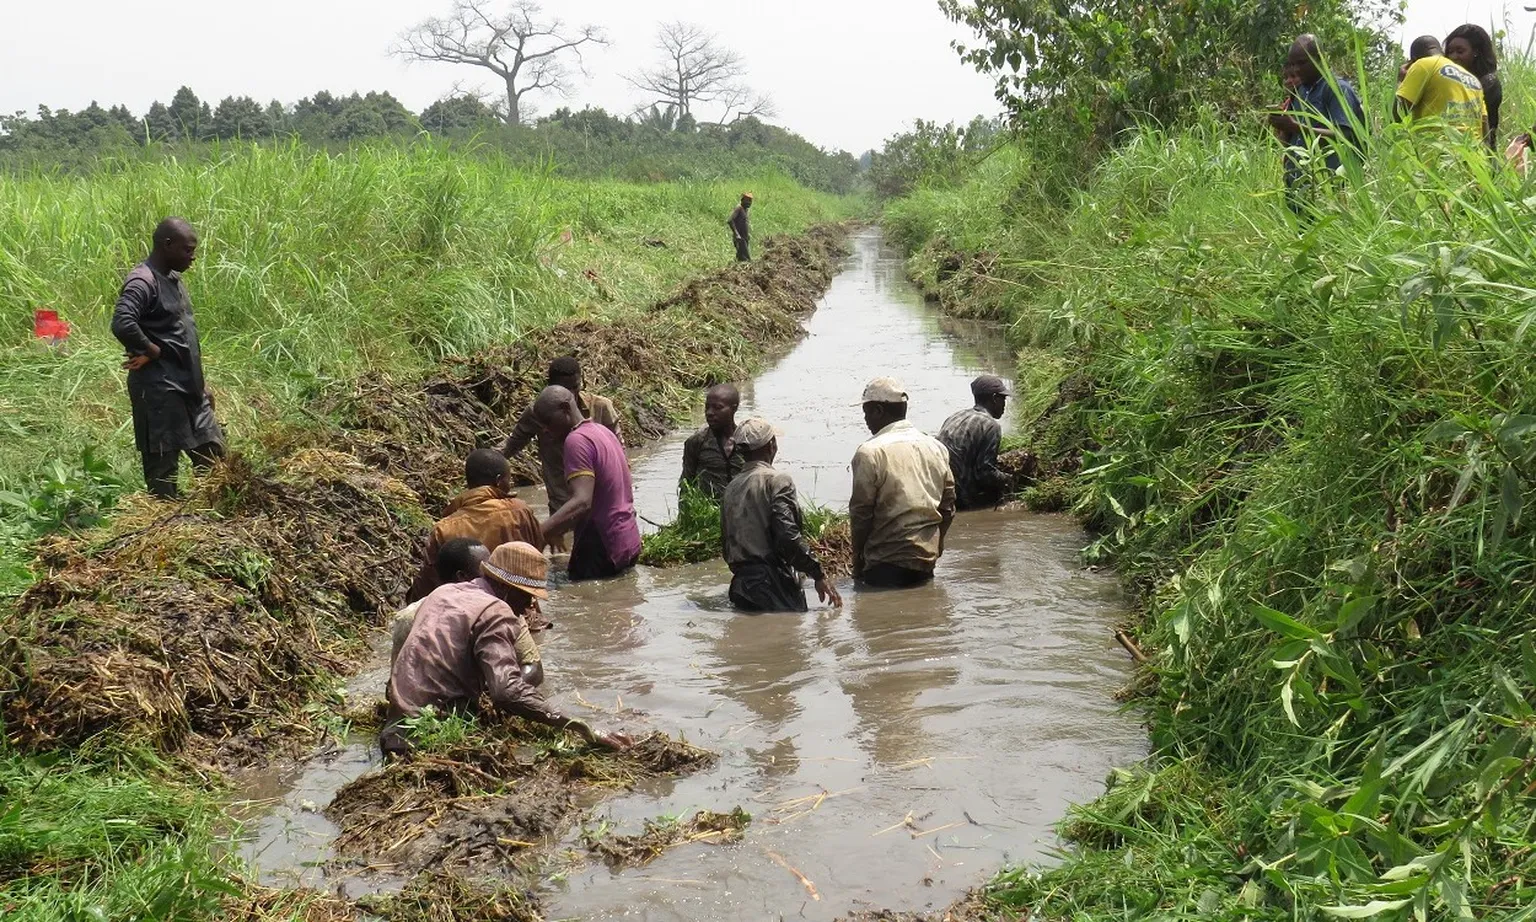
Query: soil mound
211,615
621,851
486,803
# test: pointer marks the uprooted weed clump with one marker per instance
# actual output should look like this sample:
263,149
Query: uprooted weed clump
694,535
483,800
213,615
624,851
649,363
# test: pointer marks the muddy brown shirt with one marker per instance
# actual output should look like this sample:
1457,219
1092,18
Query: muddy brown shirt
462,645
710,462
761,523
484,513
552,450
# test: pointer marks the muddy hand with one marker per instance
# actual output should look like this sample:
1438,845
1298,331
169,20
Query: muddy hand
615,740
135,362
827,592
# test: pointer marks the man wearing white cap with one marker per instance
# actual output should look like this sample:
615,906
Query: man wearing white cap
903,494
762,532
464,646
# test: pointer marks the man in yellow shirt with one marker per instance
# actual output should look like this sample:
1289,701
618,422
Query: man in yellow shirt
1434,86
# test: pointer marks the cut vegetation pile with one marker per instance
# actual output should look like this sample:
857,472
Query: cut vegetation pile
208,617
694,535
624,851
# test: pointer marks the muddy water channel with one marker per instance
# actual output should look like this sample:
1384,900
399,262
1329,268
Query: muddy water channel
893,753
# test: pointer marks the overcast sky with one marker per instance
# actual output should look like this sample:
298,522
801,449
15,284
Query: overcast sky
844,73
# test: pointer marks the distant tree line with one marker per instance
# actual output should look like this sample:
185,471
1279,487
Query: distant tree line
649,145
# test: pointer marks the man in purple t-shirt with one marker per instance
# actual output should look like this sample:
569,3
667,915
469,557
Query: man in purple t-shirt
601,509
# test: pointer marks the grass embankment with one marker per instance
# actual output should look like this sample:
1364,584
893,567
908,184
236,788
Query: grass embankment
1313,454
329,288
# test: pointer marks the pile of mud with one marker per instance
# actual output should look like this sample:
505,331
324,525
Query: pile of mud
209,616
491,802
651,364
627,851
430,897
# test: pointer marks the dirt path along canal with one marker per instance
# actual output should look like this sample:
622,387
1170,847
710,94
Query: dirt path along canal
892,754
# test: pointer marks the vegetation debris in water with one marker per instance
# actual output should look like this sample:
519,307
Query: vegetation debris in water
621,851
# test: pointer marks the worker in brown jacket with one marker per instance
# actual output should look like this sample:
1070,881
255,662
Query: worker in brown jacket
487,511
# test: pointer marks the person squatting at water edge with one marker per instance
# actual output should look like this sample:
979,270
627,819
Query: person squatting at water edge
601,508
172,404
710,460
463,646
903,499
762,532
973,438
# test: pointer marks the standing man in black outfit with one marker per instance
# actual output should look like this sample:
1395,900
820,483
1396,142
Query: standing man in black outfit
172,405
741,228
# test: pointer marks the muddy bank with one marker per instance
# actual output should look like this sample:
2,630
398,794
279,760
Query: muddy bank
210,623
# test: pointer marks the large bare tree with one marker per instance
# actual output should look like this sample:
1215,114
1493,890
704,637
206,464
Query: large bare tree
694,69
512,41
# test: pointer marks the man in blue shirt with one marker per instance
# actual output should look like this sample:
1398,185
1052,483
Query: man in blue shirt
1327,118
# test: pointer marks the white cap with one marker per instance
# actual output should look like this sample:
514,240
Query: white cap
885,390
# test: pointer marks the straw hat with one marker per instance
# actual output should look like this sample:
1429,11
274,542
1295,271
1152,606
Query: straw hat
519,565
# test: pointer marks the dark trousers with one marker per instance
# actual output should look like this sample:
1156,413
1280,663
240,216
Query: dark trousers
589,558
743,255
160,467
759,587
890,576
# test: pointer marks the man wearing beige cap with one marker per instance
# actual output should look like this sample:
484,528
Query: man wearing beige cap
463,646
903,494
973,438
762,532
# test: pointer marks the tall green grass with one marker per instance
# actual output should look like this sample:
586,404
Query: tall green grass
1312,449
318,268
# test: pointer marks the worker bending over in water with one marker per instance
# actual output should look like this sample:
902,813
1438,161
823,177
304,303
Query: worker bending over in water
463,647
563,372
601,508
903,494
762,531
487,511
459,561
710,458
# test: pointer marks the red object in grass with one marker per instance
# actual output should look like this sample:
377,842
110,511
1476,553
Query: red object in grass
47,325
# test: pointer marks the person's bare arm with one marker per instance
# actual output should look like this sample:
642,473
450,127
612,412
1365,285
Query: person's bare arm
526,430
575,510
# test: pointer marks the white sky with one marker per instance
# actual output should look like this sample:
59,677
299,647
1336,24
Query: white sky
844,73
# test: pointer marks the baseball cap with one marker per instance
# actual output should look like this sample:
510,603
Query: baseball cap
988,385
521,566
754,433
884,390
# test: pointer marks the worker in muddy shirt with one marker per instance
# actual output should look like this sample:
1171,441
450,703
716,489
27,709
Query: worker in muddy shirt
601,509
710,460
172,405
903,494
462,648
762,533
487,511
459,561
563,372
741,228
973,438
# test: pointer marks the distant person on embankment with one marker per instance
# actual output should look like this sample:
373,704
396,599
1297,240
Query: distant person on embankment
741,228
563,372
601,507
710,460
172,405
1327,109
1435,87
463,646
973,438
487,511
459,561
903,494
762,531
1471,47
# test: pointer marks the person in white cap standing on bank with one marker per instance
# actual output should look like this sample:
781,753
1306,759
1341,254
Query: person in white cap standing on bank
903,494
762,532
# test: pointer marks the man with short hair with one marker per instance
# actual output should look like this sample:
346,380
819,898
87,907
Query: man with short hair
973,438
903,494
563,372
1327,113
601,508
1434,86
710,460
487,510
463,646
762,531
741,229
172,404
